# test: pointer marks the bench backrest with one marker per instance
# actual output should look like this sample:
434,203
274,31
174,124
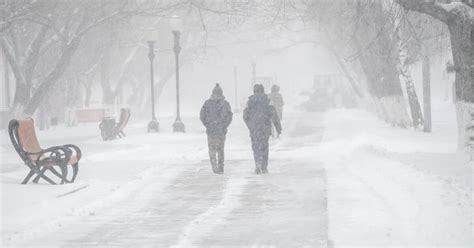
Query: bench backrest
23,137
124,117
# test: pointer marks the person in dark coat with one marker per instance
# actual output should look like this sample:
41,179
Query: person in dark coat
276,99
259,116
216,115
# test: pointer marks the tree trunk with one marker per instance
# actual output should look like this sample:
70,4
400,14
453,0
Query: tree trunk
88,96
20,99
108,97
43,117
46,84
6,77
415,108
462,43
342,65
426,93
379,57
463,116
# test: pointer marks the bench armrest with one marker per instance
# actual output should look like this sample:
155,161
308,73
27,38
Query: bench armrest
59,153
75,149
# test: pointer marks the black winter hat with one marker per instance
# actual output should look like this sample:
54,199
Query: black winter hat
258,88
217,91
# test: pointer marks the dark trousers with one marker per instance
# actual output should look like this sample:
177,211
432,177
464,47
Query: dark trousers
260,150
216,149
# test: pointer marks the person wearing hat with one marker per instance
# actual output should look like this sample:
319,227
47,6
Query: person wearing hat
259,116
276,99
216,115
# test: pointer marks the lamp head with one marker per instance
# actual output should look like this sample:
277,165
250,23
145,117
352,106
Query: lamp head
176,23
151,53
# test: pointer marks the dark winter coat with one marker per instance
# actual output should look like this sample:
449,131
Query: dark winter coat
216,115
277,101
259,115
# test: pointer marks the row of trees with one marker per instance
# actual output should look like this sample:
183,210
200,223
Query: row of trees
53,45
380,40
50,41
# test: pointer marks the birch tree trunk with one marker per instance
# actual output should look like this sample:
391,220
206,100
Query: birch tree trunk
426,93
413,101
379,59
6,76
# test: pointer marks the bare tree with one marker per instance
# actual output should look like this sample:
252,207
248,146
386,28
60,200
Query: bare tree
459,18
53,31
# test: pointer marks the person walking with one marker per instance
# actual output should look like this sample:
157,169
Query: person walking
259,116
276,99
216,115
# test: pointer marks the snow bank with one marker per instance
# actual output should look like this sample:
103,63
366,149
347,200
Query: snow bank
395,187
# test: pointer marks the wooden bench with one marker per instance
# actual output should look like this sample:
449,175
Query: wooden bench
90,115
23,137
109,133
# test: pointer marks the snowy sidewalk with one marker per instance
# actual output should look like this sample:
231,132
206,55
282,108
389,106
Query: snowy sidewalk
390,187
342,179
181,203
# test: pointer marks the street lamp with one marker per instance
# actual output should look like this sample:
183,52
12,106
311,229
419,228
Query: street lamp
175,22
254,73
235,87
153,125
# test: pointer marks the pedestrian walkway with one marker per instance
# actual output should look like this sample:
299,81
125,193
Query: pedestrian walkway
191,206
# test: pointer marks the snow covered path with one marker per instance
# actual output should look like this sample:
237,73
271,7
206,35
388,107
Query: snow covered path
330,184
184,204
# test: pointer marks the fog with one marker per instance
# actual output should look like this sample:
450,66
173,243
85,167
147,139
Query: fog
196,123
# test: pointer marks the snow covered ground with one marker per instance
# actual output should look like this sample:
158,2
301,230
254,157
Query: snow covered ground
342,178
389,187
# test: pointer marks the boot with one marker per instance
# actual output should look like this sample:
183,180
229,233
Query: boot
214,165
220,169
258,168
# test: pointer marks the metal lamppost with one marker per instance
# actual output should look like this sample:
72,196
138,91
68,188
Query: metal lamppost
153,125
235,88
178,125
254,73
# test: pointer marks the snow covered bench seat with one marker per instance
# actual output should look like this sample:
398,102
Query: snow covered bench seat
23,137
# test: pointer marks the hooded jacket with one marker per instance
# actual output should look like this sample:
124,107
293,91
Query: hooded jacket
216,114
259,115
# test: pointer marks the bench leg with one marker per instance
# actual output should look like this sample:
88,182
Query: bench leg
42,171
55,172
75,170
48,179
40,174
27,178
63,173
